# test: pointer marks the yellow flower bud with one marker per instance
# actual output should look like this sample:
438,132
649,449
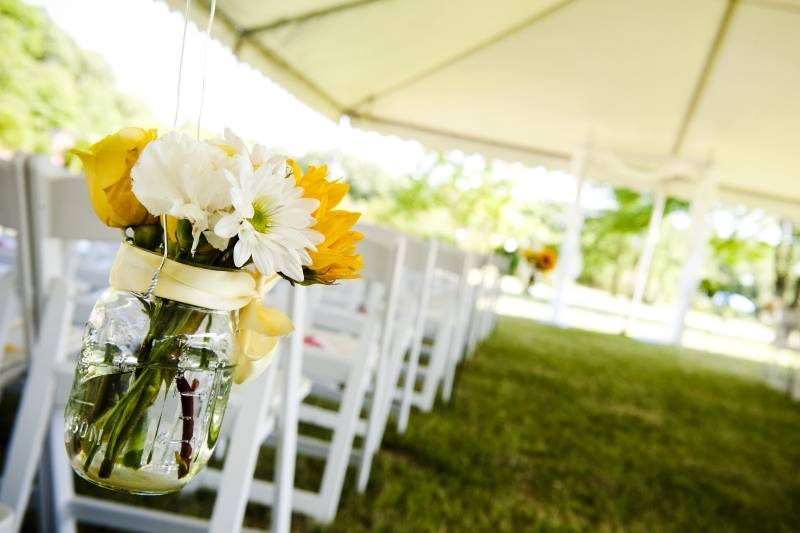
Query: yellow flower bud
107,165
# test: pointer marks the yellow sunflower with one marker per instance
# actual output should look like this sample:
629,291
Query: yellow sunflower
546,260
336,258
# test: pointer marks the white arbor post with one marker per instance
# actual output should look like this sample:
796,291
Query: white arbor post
569,260
700,228
648,250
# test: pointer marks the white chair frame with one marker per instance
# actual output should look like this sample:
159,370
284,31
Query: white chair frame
383,265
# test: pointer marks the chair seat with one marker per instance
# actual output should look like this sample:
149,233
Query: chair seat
328,356
436,313
277,396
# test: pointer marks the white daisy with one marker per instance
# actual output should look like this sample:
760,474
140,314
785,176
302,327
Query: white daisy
271,219
179,176
258,155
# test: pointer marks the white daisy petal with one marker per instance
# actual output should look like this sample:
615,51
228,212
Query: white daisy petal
227,226
263,259
242,251
220,243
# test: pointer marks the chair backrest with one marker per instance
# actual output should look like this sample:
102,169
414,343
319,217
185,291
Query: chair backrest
420,263
13,211
14,214
458,263
60,214
454,264
502,263
383,264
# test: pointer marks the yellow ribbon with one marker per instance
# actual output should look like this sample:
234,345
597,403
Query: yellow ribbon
260,327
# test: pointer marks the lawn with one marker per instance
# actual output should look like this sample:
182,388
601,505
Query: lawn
565,430
555,430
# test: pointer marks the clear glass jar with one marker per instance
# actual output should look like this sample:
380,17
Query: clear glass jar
149,393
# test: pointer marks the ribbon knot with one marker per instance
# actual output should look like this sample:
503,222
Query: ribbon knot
260,328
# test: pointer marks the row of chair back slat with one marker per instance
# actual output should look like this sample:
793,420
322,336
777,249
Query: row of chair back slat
12,194
14,214
450,260
63,209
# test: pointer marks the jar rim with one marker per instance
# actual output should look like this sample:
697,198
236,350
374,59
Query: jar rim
129,242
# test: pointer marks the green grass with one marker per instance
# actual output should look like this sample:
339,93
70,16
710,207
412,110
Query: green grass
555,430
565,430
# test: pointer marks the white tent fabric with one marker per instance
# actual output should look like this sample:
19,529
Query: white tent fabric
696,85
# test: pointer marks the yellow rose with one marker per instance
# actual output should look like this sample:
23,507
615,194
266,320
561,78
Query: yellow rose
107,165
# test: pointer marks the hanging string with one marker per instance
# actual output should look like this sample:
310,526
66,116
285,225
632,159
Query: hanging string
180,64
163,218
211,11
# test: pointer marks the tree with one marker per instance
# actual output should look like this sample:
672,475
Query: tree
612,239
48,85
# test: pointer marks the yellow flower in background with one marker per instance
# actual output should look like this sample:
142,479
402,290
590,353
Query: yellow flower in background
546,260
107,165
336,257
529,255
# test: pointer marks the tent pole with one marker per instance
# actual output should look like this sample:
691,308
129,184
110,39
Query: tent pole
649,248
569,261
700,229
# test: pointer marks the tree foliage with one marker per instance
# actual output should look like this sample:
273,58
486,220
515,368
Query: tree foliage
49,85
612,239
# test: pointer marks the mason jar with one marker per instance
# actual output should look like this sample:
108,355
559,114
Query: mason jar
149,393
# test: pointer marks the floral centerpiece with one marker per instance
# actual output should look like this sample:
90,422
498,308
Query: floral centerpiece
207,227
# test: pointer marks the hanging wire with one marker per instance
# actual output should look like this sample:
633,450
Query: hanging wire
211,11
180,64
163,218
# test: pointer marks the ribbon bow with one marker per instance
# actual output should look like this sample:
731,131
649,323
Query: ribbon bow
260,327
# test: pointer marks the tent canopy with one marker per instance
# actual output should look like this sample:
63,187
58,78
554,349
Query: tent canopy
696,85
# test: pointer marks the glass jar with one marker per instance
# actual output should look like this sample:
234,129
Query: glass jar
149,393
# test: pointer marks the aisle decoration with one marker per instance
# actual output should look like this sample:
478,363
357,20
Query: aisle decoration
538,261
208,228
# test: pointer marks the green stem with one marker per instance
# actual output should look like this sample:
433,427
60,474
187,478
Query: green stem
160,351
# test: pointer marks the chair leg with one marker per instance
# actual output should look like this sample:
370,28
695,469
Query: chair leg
409,383
338,456
453,358
286,448
380,391
240,461
436,366
376,430
30,429
63,489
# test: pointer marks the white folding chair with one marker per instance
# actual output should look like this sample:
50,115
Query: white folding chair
483,278
350,361
440,319
420,260
457,261
51,376
501,265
